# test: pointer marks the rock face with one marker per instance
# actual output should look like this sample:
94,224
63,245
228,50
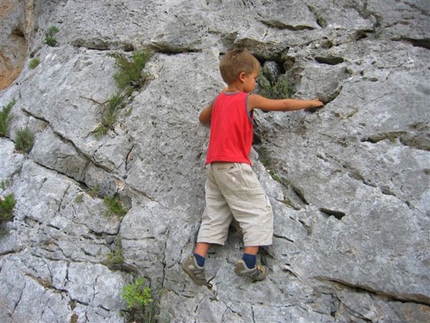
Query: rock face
349,183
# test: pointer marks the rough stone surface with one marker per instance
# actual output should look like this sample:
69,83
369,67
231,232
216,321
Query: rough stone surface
349,183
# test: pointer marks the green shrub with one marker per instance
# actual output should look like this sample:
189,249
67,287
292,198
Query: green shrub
5,118
114,206
24,140
141,307
278,89
137,295
6,207
130,72
115,259
50,40
34,63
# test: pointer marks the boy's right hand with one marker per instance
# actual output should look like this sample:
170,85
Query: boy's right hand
205,114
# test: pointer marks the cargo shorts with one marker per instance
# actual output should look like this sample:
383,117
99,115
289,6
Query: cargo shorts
234,191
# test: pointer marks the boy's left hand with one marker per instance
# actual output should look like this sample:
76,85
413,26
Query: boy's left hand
316,104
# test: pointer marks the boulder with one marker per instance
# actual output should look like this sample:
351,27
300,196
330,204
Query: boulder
349,183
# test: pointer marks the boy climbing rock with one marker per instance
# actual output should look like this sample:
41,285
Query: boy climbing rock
232,189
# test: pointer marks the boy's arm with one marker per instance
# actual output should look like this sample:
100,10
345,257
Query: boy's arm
256,101
205,114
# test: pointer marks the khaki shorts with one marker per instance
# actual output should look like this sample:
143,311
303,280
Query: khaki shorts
233,190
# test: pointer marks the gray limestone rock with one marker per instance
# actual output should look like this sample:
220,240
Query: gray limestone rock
349,184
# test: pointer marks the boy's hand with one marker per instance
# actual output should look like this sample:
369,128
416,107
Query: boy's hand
315,104
205,114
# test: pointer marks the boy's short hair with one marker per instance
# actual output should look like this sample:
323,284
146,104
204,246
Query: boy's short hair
235,62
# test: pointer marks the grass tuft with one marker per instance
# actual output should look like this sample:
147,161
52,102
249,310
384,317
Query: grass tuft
115,259
5,118
114,206
6,207
130,70
128,78
50,39
24,140
34,63
114,104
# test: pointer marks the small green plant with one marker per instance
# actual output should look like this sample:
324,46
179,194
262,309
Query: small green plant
111,109
278,89
94,191
128,78
275,176
4,183
6,207
24,140
115,259
114,206
100,131
79,198
50,39
130,72
115,102
137,295
5,118
110,113
34,63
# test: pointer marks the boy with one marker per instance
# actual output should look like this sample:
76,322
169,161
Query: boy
232,188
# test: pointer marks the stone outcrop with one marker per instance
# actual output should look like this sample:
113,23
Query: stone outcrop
349,183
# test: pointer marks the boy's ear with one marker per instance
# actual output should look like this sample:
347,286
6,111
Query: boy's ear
242,76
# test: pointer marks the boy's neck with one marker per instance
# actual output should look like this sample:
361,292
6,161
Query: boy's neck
234,88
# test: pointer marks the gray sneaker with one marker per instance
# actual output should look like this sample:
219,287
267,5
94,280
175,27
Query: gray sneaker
192,269
259,272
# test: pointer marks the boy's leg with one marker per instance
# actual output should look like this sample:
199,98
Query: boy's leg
194,265
251,250
250,256
248,267
216,220
202,249
200,252
252,210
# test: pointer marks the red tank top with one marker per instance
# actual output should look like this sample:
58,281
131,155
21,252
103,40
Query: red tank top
231,129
